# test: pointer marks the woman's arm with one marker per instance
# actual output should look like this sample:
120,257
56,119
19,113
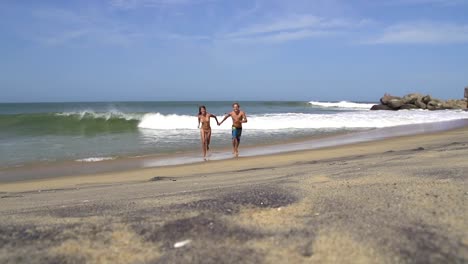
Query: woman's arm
211,115
198,122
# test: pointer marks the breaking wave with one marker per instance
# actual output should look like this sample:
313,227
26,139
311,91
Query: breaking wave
342,105
88,122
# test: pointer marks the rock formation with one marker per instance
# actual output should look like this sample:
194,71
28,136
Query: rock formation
419,101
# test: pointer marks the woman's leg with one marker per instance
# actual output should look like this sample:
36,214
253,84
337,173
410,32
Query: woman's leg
208,139
203,141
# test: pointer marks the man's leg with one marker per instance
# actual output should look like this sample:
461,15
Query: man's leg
238,137
234,138
237,147
234,146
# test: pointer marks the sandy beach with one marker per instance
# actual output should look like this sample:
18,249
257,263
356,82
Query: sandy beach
398,200
120,122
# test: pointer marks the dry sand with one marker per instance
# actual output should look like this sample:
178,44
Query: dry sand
399,200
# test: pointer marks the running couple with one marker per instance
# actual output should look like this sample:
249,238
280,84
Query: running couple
238,117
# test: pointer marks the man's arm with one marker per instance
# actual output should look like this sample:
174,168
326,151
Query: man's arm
244,118
225,117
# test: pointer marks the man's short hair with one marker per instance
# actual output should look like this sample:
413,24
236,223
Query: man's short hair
235,103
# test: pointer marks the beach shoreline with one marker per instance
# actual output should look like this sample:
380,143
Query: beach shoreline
44,171
69,174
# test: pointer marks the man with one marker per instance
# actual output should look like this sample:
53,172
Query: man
238,117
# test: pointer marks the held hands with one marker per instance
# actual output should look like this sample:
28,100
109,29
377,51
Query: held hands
225,116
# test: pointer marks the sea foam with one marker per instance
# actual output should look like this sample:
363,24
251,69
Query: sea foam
342,104
345,119
94,159
90,114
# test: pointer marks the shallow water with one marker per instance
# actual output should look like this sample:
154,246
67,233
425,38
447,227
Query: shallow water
54,169
92,132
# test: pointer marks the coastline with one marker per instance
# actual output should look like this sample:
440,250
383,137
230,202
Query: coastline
52,134
127,170
395,200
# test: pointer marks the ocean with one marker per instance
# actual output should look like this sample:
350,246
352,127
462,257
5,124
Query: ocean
35,133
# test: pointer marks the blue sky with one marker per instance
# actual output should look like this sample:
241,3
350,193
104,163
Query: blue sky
231,50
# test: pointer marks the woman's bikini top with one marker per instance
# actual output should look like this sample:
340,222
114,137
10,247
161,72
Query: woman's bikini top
205,122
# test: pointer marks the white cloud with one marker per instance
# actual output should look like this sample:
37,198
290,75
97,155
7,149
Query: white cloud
173,36
249,12
55,27
294,27
424,2
422,33
61,38
283,36
131,4
58,15
288,24
62,26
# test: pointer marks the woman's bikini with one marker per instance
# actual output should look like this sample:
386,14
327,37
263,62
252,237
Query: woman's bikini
205,123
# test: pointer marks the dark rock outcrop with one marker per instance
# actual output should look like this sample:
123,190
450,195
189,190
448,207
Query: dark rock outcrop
419,101
395,103
380,107
412,98
426,99
454,104
434,104
386,98
408,106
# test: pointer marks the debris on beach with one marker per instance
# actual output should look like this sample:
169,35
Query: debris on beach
182,243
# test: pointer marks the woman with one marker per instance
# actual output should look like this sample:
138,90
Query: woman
205,131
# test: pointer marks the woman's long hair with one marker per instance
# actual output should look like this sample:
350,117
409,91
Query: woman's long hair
200,108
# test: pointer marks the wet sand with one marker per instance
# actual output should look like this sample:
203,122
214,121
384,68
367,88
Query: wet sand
398,200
